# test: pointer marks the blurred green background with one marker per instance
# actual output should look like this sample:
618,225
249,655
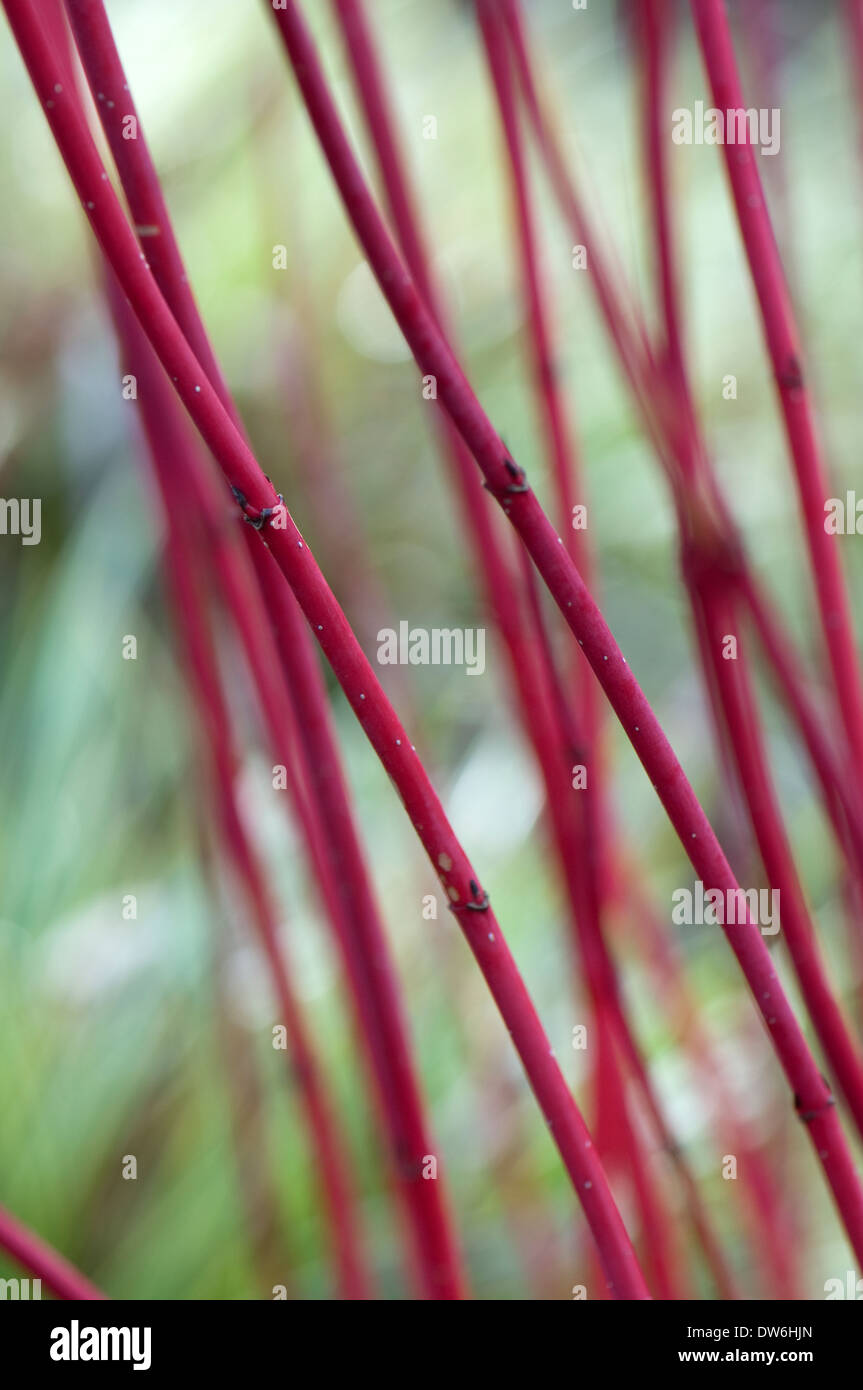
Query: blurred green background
112,1031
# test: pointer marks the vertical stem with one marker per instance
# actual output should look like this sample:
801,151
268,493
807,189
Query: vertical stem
166,431
570,827
670,433
785,352
437,1268
708,582
363,690
247,1112
467,898
655,35
508,485
741,714
293,698
575,831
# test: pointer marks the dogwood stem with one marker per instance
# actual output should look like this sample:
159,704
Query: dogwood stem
44,1262
166,435
508,485
669,429
786,356
278,530
280,656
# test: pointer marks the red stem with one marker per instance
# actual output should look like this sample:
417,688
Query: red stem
534,695
785,352
357,678
367,958
620,311
32,1253
671,434
769,1235
351,667
576,839
556,429
166,432
844,816
278,637
541,700
655,34
738,703
707,582
566,586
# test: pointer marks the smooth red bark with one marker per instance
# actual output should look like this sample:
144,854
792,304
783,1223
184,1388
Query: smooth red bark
43,1261
350,665
786,357
292,694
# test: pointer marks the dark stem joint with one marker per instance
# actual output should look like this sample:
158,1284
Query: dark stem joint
256,519
479,904
807,1116
519,483
792,376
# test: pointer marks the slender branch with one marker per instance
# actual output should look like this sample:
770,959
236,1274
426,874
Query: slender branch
280,656
739,707
366,953
166,429
585,848
710,584
844,815
671,434
507,484
570,826
352,669
365,696
768,1229
786,357
556,427
247,1111
575,832
44,1262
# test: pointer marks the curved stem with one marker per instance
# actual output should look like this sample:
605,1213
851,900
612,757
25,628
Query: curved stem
43,1261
